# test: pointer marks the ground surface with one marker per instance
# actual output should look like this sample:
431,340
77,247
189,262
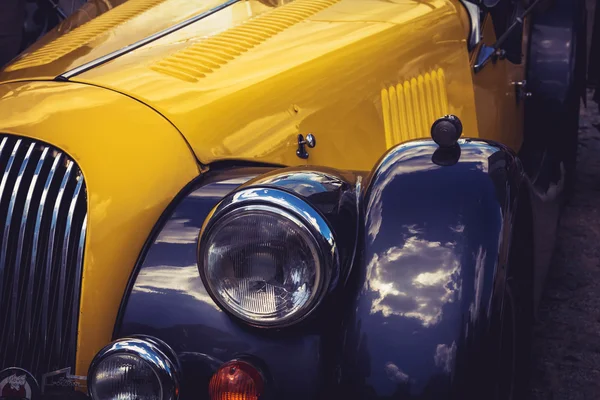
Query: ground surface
567,334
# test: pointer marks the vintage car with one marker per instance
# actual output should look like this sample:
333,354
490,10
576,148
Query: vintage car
307,199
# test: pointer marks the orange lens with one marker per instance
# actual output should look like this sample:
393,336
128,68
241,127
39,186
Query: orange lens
236,380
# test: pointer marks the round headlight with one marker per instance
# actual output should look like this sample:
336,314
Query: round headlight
267,256
134,368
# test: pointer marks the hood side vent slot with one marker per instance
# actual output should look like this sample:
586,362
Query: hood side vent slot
411,107
83,34
200,59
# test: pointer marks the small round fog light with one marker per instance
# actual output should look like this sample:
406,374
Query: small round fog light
237,380
134,368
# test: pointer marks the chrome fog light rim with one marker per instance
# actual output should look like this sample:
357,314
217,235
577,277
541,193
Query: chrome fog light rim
296,210
161,359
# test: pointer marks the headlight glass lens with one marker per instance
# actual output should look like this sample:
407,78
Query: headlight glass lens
263,264
125,377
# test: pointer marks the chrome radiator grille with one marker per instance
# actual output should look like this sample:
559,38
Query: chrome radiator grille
43,209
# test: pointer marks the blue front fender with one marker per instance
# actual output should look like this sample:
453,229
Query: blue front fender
423,319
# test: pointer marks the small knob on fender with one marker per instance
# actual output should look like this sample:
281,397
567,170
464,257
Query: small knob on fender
446,130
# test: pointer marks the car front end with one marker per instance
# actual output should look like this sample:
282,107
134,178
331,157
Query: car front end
231,205
85,182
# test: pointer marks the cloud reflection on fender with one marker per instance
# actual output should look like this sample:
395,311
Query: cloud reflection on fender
179,231
162,280
444,356
414,280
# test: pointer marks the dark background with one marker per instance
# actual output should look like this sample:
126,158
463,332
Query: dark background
566,350
567,333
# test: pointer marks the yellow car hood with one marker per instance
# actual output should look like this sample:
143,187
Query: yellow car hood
244,82
98,28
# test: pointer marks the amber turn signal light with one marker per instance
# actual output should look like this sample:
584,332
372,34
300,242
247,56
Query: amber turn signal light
236,380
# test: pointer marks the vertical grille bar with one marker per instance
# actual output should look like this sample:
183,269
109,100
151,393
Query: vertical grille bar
27,289
62,281
38,232
43,214
50,260
74,314
4,250
17,268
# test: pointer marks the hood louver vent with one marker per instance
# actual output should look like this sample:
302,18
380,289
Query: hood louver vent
200,59
83,34
411,107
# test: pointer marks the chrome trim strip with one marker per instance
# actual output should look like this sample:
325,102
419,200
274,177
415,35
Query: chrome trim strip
77,289
117,53
29,288
157,355
3,144
63,265
6,225
38,222
17,272
50,251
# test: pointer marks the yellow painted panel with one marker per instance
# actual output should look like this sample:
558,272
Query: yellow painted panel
98,28
134,163
249,97
199,59
410,108
84,34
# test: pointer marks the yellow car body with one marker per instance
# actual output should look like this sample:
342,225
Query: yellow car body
238,85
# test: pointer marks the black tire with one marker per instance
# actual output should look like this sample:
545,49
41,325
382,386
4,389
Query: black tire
507,385
552,114
572,104
519,301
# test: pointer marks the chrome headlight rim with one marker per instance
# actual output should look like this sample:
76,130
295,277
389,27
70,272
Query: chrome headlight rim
156,354
286,205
